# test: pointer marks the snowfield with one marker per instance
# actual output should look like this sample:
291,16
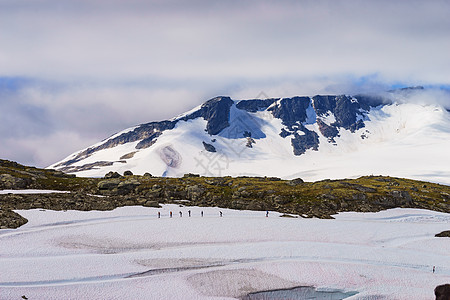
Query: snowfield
130,253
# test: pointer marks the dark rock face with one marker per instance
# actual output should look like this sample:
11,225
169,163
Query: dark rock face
345,109
291,110
323,104
147,133
127,173
255,105
442,292
209,147
345,112
301,143
328,131
88,166
217,112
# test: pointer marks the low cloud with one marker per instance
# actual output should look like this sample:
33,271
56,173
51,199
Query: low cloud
429,96
78,71
225,39
41,125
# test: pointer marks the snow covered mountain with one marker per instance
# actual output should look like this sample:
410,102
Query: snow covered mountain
333,136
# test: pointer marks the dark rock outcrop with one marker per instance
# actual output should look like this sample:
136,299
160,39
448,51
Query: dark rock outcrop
112,174
443,234
255,105
327,131
89,166
346,111
146,133
301,143
109,184
442,292
291,111
217,112
128,185
8,181
324,104
209,147
295,181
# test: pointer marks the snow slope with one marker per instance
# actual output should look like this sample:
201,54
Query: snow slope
399,139
129,253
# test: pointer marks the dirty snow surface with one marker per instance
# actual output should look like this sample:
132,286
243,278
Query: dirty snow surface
130,253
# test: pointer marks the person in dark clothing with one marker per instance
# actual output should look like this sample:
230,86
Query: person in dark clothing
159,214
181,214
171,214
189,213
201,213
220,213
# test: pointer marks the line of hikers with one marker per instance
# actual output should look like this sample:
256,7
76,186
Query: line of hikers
189,214
201,214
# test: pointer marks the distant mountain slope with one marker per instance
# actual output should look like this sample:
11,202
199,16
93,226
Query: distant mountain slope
325,136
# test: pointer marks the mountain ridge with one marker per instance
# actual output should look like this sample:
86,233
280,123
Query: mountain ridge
247,133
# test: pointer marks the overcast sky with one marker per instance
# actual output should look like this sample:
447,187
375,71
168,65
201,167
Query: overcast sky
73,72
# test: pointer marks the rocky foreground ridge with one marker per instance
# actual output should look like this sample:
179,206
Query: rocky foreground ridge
308,199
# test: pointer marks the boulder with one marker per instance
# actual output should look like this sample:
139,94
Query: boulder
112,174
8,181
209,147
151,203
190,175
128,173
442,292
128,185
401,197
108,184
295,181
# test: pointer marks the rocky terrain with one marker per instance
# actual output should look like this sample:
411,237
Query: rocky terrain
308,199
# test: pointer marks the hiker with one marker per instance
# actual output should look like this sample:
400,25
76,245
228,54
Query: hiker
159,214
434,269
267,213
181,214
189,213
171,214
201,213
220,213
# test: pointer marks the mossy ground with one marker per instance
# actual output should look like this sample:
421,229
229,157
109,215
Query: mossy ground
309,199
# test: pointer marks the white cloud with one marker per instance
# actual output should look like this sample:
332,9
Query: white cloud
227,40
100,66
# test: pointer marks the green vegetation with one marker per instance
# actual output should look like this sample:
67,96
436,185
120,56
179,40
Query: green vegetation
308,199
